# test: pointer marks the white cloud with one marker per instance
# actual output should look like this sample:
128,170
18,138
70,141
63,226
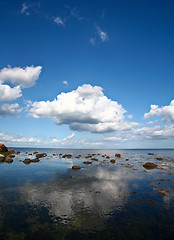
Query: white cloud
65,82
115,139
59,21
25,77
103,35
24,9
129,116
157,132
92,40
64,139
18,140
9,109
9,94
84,109
166,112
152,122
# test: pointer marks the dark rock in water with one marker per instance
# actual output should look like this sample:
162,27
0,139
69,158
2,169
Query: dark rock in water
112,161
89,156
117,155
35,160
87,162
18,152
41,155
11,151
76,167
2,158
94,159
150,165
30,154
54,154
107,157
11,156
159,159
162,194
150,153
67,156
35,152
27,161
8,160
127,159
3,148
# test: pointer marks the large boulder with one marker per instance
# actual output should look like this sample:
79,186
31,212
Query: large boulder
3,148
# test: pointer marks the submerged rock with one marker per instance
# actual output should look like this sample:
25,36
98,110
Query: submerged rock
159,159
94,159
150,153
150,165
3,148
87,162
112,161
76,167
107,157
117,155
35,152
11,156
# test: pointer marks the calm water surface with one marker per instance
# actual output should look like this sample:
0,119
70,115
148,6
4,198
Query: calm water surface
49,200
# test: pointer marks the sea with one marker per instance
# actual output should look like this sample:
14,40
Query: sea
108,197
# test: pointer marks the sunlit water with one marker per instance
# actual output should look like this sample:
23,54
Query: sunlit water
49,200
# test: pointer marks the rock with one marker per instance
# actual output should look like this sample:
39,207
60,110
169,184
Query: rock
67,156
3,148
159,159
150,153
162,194
30,154
107,157
94,159
11,156
18,152
76,167
35,152
88,156
150,165
8,160
11,151
87,162
127,159
27,161
41,155
117,155
35,160
2,158
112,161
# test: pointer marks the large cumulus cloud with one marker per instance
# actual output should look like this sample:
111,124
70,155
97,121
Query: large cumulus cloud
83,109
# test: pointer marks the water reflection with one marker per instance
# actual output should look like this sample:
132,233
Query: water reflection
99,192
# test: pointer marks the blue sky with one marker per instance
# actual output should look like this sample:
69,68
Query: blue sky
109,62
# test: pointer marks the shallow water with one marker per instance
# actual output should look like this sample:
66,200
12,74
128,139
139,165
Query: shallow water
49,200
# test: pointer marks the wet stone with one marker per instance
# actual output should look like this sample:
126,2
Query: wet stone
150,165
76,167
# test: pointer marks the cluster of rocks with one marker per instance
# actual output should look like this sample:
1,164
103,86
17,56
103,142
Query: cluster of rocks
7,155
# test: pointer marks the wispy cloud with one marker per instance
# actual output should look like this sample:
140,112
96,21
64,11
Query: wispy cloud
99,36
59,21
103,35
65,82
24,9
